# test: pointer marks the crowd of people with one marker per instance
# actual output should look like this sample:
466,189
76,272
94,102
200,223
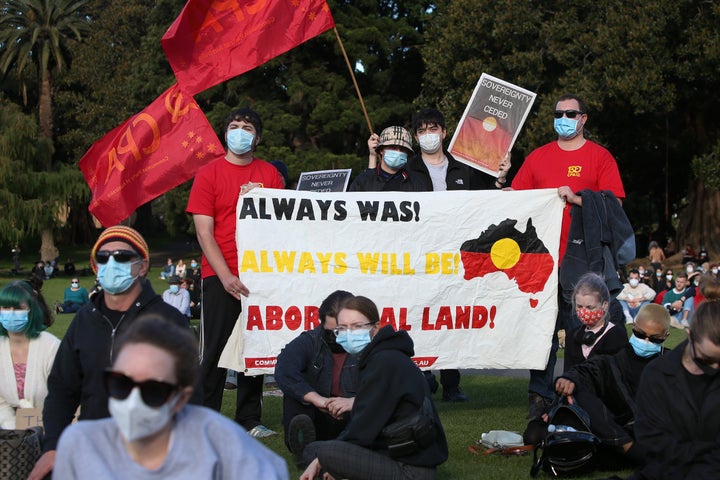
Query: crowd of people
355,405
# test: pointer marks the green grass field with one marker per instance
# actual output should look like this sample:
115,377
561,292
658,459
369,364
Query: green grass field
496,403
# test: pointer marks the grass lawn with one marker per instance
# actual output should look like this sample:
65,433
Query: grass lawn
496,403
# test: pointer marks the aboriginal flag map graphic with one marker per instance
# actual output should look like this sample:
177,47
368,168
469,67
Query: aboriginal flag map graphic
522,256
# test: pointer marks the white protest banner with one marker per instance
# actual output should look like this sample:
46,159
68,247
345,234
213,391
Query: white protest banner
491,123
471,275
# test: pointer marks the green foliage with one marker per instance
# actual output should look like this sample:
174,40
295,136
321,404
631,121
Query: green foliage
646,70
707,168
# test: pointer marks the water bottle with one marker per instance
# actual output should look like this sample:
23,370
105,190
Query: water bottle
560,428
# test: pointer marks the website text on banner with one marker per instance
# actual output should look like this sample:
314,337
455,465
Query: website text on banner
491,123
471,275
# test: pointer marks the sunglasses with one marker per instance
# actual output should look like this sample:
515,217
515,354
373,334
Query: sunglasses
568,113
643,336
154,393
120,256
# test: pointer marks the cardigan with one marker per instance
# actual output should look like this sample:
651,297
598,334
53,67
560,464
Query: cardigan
41,354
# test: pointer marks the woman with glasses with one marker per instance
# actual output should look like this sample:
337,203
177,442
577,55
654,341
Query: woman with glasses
153,432
679,422
394,431
26,351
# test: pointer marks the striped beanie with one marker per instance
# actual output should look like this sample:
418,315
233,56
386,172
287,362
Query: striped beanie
120,233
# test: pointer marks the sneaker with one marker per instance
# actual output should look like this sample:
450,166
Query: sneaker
301,432
629,318
456,396
261,431
675,324
538,406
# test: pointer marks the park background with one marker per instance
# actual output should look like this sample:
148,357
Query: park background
73,70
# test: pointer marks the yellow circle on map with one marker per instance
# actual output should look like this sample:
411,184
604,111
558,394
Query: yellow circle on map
489,124
505,253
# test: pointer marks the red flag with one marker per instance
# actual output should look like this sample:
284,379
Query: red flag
215,40
152,152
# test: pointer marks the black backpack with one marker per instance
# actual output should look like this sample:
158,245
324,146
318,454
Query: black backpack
565,452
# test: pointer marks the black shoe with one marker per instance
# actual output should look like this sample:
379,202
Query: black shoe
301,432
456,396
538,406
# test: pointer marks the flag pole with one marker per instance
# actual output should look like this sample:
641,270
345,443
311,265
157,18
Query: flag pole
352,75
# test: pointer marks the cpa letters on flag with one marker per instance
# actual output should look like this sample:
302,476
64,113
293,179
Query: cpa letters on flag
152,152
215,40
470,275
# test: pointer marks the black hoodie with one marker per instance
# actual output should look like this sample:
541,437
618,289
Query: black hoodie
83,356
391,388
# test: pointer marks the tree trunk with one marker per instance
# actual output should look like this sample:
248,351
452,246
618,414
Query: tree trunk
699,224
45,119
48,250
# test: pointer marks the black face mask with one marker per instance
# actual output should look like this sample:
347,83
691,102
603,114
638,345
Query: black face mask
328,337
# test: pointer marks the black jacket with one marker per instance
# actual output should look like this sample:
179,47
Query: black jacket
601,240
306,365
613,341
391,388
459,175
372,181
680,433
84,354
612,378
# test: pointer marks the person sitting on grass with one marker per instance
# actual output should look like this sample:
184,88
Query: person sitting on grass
392,391
605,385
598,334
74,297
679,429
26,351
153,432
318,379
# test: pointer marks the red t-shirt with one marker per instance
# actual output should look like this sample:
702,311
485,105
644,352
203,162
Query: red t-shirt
215,193
590,167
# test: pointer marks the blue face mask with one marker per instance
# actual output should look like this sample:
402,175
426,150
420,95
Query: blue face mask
644,348
239,141
394,159
193,265
116,277
174,288
354,342
14,320
566,127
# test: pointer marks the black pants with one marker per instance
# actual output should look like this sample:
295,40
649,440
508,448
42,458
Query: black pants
326,426
220,311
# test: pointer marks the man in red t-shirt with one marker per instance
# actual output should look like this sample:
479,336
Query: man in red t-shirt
570,164
213,201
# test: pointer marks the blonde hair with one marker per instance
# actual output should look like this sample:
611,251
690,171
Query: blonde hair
653,312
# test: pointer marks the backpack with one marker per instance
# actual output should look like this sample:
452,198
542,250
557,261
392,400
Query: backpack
569,448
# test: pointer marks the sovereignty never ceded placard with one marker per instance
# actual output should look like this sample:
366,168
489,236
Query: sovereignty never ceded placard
491,123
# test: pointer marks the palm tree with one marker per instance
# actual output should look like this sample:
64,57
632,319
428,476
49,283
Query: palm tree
38,32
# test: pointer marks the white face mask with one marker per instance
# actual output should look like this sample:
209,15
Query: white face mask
135,419
634,282
430,142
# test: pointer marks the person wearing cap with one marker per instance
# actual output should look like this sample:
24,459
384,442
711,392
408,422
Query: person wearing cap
433,168
176,296
394,147
212,203
120,260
